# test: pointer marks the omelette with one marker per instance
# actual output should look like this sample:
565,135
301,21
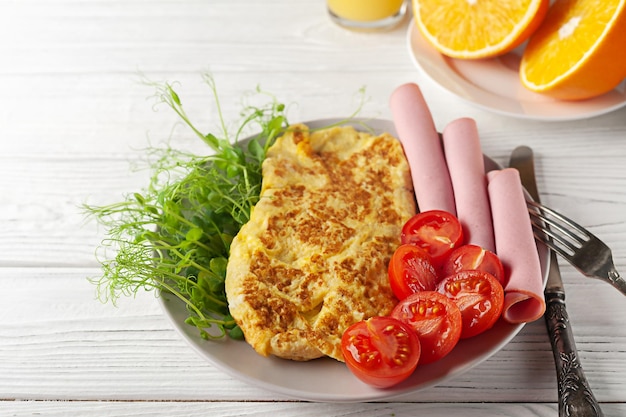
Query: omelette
313,258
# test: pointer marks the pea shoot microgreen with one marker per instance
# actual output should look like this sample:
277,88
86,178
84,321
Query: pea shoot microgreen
174,236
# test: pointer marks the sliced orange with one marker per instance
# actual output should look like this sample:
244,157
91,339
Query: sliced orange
579,51
478,28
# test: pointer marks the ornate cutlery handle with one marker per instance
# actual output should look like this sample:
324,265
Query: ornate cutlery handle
575,396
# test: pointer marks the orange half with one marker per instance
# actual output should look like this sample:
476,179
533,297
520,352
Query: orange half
478,28
579,51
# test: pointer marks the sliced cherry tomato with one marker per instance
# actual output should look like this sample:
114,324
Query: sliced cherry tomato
468,257
411,270
435,318
437,231
478,295
380,351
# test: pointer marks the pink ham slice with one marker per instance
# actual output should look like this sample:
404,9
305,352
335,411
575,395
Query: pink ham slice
515,245
422,147
464,159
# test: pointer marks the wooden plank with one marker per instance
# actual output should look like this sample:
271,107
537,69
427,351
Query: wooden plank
58,342
282,409
42,196
75,114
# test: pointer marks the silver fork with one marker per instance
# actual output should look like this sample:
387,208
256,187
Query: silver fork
581,248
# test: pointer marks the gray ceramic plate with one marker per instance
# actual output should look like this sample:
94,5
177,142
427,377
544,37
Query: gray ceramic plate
327,380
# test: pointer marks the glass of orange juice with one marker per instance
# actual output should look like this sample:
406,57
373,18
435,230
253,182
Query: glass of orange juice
367,14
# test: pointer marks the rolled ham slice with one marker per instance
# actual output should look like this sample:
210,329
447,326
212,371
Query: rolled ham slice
515,245
466,166
423,149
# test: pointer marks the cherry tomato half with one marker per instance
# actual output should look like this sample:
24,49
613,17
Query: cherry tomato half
437,231
435,318
411,270
478,295
380,351
468,257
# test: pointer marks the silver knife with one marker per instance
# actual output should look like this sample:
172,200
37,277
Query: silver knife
575,396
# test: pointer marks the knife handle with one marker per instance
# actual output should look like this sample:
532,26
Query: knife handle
575,396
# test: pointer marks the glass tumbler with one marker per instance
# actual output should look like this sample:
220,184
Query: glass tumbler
367,14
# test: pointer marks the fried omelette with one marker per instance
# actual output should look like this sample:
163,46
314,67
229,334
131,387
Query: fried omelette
313,258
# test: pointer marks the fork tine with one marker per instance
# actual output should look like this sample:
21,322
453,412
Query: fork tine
549,240
575,240
574,227
590,255
555,231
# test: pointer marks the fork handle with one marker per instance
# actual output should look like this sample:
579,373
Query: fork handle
575,396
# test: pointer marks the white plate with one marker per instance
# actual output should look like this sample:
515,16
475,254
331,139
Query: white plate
325,379
494,85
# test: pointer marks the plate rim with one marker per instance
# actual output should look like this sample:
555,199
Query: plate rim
570,111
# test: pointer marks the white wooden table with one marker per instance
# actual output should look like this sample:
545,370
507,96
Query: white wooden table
73,116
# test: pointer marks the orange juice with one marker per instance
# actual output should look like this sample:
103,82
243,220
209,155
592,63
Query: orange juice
365,10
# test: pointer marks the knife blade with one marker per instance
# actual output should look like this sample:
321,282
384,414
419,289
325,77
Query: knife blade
575,396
